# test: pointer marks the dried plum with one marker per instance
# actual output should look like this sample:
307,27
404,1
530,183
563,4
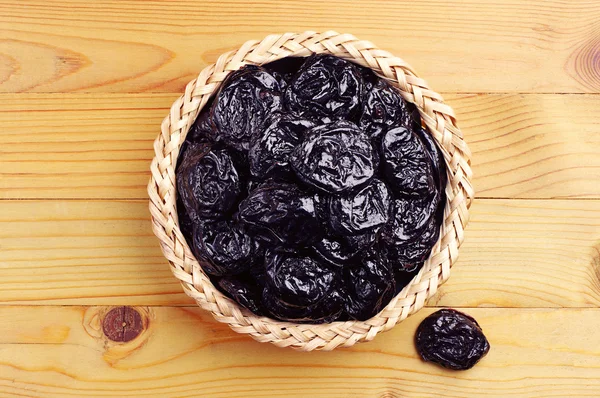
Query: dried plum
298,280
327,310
409,219
383,108
341,250
225,248
207,182
284,214
451,339
243,105
406,163
245,293
335,157
203,129
270,151
436,156
325,86
361,212
309,191
369,286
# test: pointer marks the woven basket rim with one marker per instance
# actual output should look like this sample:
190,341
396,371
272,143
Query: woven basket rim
441,124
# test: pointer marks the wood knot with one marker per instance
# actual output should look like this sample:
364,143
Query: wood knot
122,324
584,63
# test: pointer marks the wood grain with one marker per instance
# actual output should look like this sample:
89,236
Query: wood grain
61,351
100,145
516,253
134,46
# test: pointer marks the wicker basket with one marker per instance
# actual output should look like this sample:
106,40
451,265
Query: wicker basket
440,122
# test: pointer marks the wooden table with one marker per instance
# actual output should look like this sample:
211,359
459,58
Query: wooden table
84,86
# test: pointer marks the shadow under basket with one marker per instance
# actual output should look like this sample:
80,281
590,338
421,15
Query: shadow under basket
441,124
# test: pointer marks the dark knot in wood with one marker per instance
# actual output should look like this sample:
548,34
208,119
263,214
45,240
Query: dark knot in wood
122,324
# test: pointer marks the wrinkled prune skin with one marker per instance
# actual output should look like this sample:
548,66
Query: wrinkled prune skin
437,158
406,164
298,280
361,212
243,292
341,250
270,151
409,219
451,339
244,104
203,129
335,157
207,182
283,213
369,286
329,309
225,248
325,86
309,190
383,108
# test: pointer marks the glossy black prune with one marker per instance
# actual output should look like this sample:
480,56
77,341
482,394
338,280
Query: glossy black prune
335,157
436,156
243,105
207,182
369,286
360,212
270,151
329,309
451,339
409,219
341,250
325,86
243,292
225,248
298,280
383,108
282,212
406,163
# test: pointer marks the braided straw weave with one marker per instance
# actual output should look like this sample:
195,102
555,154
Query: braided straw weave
441,123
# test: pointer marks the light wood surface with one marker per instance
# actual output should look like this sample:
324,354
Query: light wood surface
60,351
83,88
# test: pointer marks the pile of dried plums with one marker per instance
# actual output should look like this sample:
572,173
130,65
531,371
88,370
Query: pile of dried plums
309,191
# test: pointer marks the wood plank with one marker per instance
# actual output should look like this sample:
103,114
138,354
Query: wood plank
100,145
517,253
61,351
132,46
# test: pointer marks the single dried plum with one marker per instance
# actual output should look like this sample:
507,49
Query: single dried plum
409,219
383,108
335,157
341,250
451,339
207,182
224,248
437,158
203,128
284,214
369,286
243,292
243,105
325,86
270,151
327,310
409,255
298,280
361,212
406,163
